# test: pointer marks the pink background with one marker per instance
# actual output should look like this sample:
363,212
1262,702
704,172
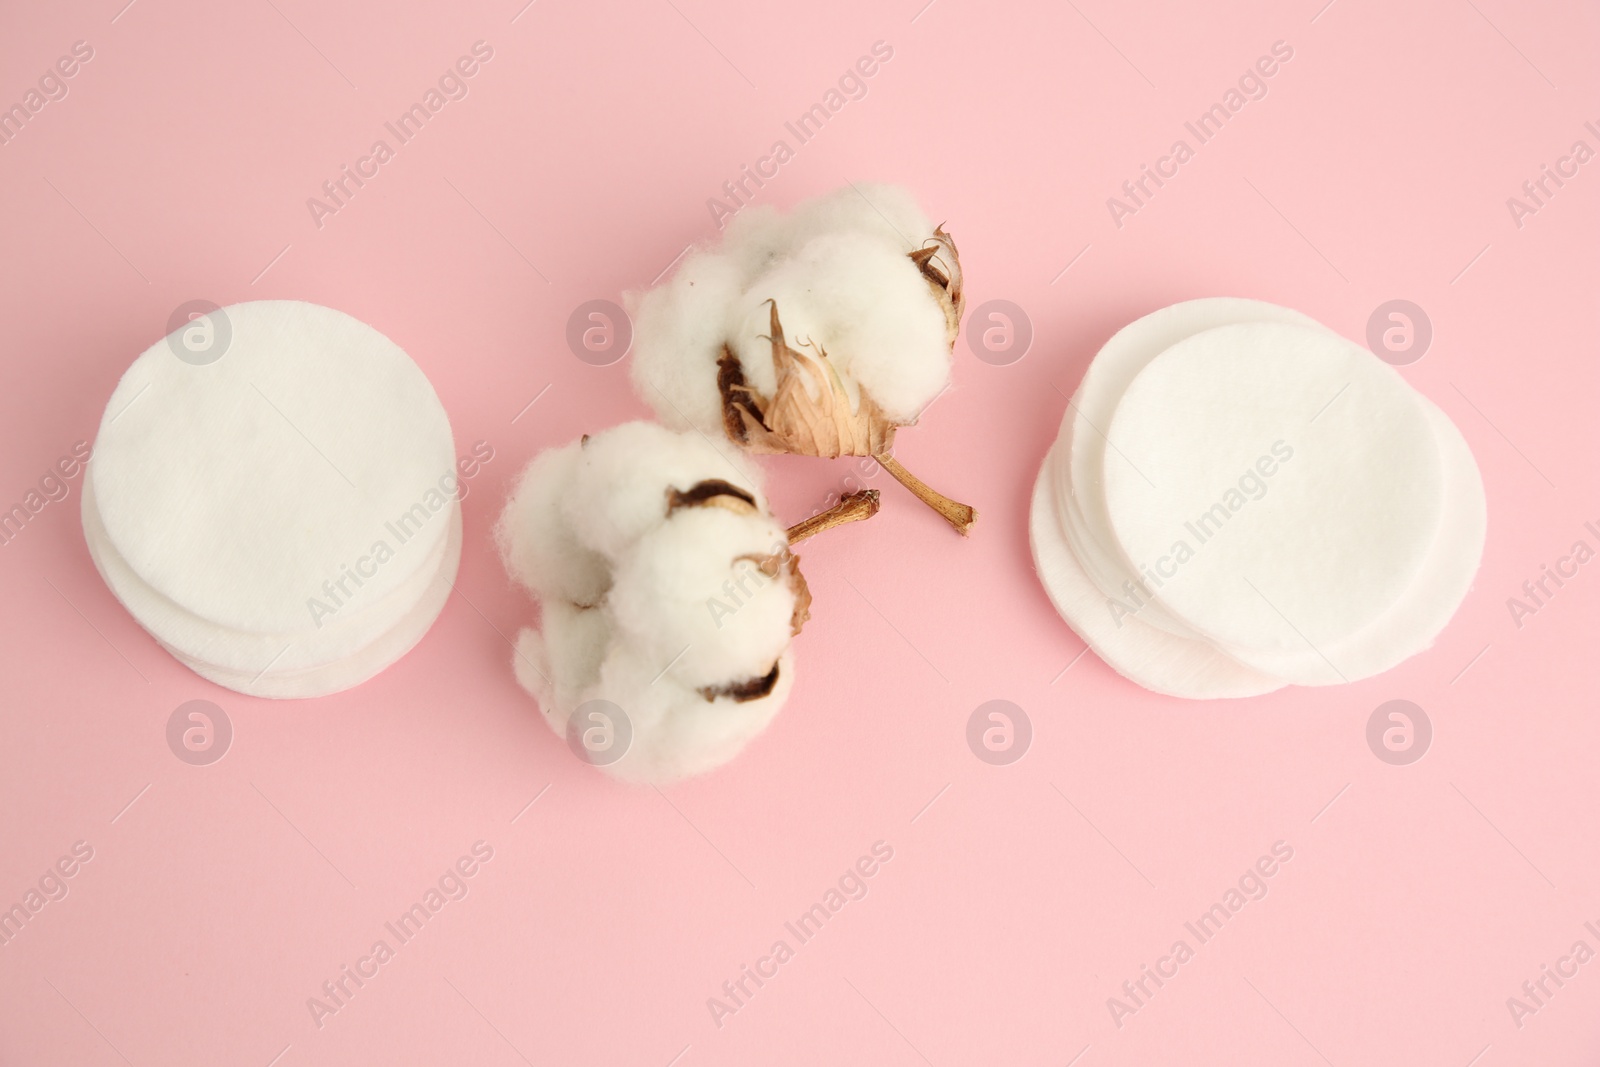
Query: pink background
1019,898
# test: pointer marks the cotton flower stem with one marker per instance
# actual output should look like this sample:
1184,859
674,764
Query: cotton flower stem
853,508
958,515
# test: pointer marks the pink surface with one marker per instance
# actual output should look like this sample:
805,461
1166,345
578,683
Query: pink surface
1020,897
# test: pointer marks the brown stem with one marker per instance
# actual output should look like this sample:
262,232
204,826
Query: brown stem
959,515
853,508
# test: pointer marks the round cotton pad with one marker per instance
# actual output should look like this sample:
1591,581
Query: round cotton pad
364,664
1153,658
237,488
1278,487
1427,604
1080,491
343,634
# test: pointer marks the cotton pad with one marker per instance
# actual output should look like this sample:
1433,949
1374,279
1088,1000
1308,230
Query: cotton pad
239,651
1278,487
1081,489
1151,657
238,487
283,517
1427,603
1375,606
385,650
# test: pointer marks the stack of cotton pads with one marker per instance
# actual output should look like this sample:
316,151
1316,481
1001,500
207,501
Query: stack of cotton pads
273,497
1240,499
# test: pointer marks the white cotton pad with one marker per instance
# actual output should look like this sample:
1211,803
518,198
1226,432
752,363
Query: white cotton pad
236,488
1080,492
1279,487
282,516
1428,603
190,637
1085,570
373,658
1153,658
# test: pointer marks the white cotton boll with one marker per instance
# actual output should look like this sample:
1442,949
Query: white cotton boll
839,269
540,549
623,475
756,238
865,305
652,643
575,644
888,213
677,340
689,598
677,732
698,735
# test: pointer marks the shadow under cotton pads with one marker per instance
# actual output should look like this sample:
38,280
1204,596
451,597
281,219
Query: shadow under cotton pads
297,486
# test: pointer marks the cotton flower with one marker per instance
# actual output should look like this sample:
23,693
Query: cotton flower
818,333
670,597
